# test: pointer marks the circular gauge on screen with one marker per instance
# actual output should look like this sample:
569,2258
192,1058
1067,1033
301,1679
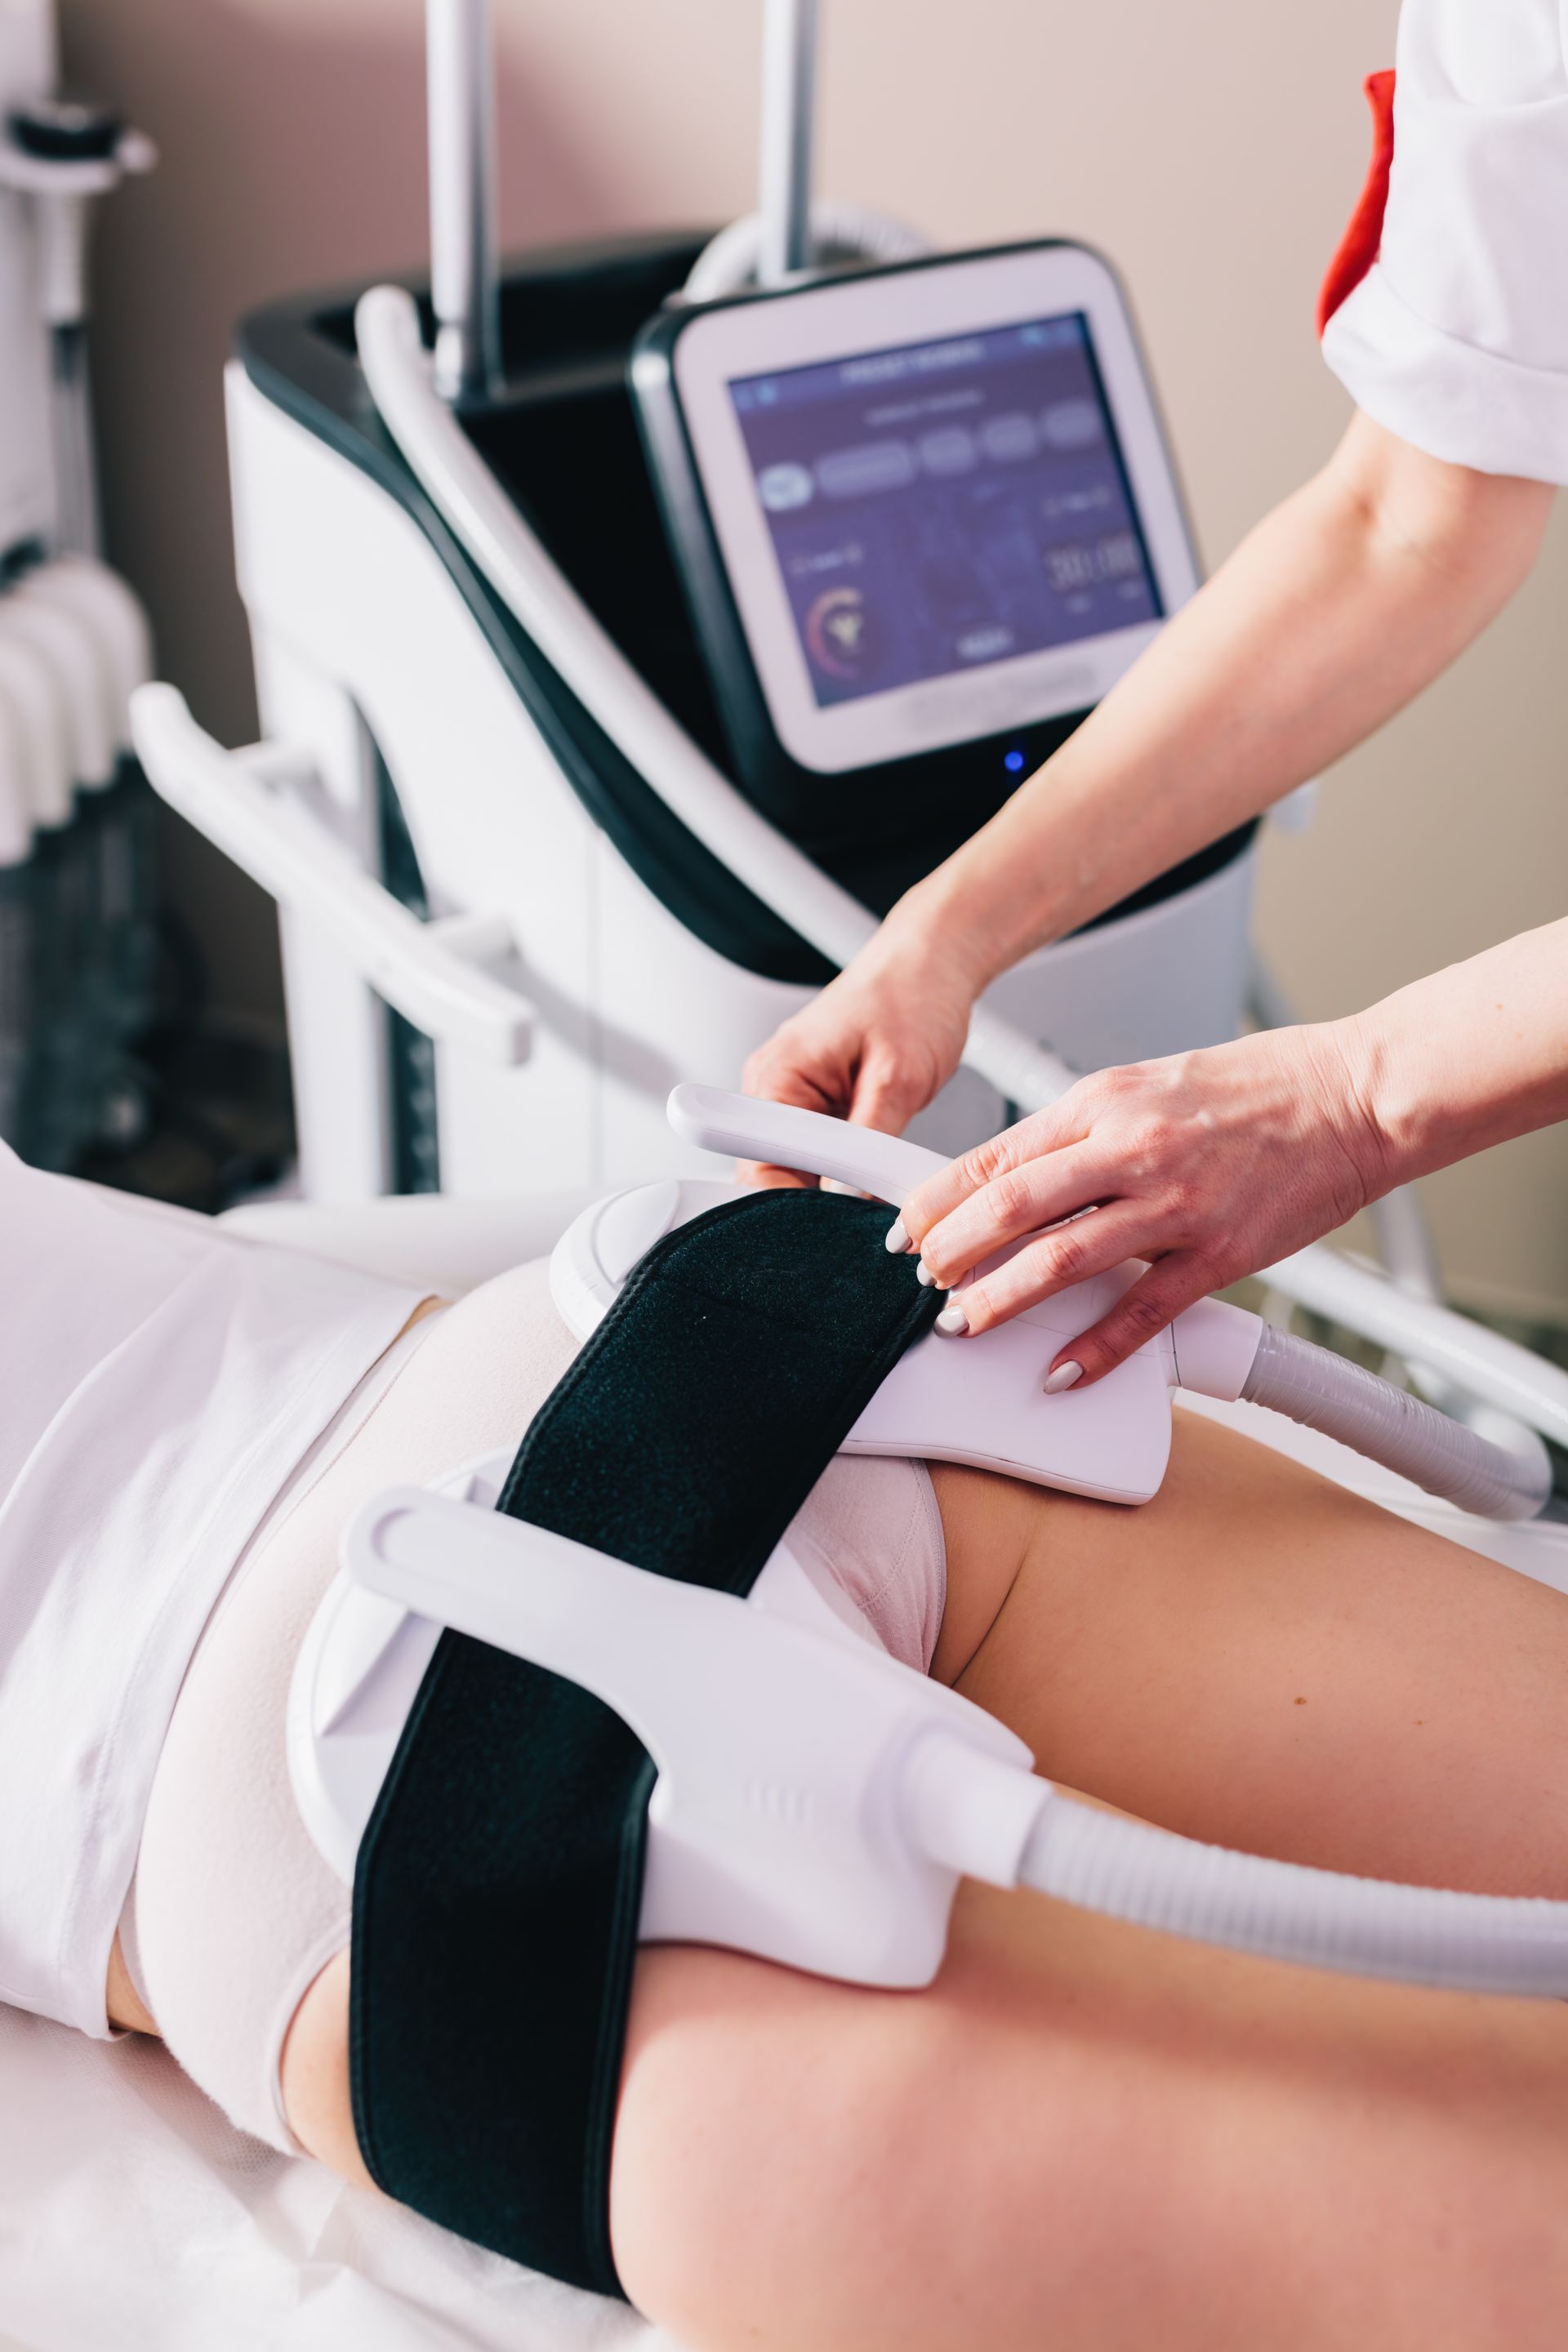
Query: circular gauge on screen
841,635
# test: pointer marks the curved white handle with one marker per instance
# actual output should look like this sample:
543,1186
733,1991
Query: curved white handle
425,969
883,1165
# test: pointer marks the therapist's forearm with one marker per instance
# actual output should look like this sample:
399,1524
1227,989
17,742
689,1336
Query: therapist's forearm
1335,612
1468,1057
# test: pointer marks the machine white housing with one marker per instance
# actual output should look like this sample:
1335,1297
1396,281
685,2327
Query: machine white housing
364,649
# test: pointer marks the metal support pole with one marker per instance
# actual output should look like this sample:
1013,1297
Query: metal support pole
789,97
460,66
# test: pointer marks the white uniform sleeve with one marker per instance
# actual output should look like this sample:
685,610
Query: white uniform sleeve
1458,338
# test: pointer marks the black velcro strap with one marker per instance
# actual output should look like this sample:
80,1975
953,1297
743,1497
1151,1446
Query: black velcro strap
499,1882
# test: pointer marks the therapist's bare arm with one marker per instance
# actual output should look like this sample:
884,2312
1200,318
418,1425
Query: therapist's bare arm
1213,1164
1336,611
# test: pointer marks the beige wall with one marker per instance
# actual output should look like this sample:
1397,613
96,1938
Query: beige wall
1213,148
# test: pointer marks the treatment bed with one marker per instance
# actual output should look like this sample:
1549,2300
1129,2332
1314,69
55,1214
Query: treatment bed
132,2213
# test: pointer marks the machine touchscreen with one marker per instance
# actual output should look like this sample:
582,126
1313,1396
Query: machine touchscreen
945,505
914,509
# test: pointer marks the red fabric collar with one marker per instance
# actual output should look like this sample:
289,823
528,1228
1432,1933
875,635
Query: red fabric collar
1358,246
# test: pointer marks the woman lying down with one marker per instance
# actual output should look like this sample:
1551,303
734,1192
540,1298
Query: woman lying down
1082,2134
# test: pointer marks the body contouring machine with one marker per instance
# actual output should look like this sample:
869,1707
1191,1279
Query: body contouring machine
622,656
632,627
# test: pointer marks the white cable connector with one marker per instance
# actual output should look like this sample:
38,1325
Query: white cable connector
971,1812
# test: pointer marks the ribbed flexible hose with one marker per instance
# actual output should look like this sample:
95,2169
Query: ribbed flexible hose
1326,1393
1364,1927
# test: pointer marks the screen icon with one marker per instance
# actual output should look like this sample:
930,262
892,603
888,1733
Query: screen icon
783,487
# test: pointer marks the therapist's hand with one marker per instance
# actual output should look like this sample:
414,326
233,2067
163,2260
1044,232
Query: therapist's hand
876,1045
1210,1165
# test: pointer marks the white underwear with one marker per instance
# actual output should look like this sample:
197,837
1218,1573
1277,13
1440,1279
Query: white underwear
233,1913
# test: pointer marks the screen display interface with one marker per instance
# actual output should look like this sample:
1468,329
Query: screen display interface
946,505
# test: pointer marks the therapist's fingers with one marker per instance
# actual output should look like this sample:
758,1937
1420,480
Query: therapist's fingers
1021,1200
1017,1148
1053,1262
889,1090
1168,1289
778,1072
887,1096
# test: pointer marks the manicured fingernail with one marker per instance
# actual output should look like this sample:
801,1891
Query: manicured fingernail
896,1240
952,1320
924,1275
1065,1376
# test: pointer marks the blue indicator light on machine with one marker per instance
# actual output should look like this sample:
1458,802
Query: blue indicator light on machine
1013,762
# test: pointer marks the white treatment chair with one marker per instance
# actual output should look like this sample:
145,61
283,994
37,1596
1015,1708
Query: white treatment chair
135,2215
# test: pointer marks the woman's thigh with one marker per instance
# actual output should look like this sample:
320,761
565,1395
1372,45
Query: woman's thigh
1260,1658
1085,2136
1081,2136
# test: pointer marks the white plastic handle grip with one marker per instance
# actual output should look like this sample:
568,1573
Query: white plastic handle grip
422,968
883,1165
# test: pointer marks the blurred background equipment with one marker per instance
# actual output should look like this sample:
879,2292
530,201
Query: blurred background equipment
77,931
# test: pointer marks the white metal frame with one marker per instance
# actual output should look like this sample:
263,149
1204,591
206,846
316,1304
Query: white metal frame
459,49
788,123
434,973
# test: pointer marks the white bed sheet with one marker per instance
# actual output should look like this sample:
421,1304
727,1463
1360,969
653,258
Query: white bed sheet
134,2215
